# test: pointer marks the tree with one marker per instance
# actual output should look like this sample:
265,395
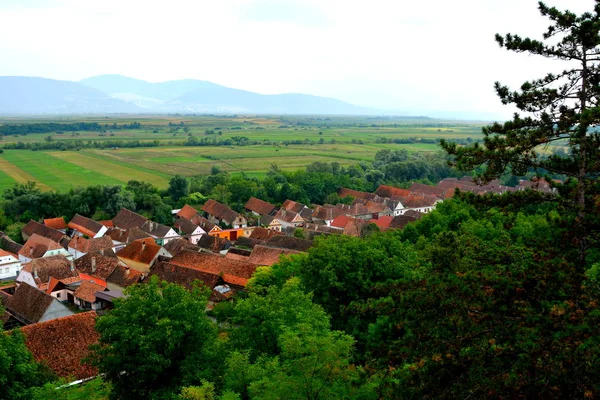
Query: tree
156,339
19,373
178,187
560,108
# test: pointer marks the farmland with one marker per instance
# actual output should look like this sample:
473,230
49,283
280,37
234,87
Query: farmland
342,139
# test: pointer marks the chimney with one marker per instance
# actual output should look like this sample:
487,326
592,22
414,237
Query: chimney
35,274
72,265
93,264
30,250
143,245
126,271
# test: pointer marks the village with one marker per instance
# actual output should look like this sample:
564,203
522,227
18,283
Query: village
65,274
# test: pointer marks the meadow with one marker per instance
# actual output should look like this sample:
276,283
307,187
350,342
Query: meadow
345,140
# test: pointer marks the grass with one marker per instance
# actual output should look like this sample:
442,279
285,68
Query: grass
63,170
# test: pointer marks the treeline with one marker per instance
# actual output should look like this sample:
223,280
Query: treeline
77,144
24,129
483,297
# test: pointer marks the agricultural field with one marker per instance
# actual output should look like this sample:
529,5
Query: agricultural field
342,139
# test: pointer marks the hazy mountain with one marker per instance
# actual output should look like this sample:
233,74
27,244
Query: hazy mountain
191,95
26,95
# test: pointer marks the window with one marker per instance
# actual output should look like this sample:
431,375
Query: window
58,295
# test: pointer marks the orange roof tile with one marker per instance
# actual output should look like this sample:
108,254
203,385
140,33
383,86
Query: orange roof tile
56,223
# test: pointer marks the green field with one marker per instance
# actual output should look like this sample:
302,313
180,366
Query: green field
345,140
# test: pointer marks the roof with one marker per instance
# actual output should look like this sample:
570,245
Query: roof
413,213
84,245
107,223
389,191
63,344
33,227
287,216
187,212
57,266
185,226
383,222
419,200
344,192
327,212
203,223
85,225
321,228
374,206
260,206
56,223
248,242
262,255
4,253
354,227
220,211
427,189
183,275
124,276
155,229
143,251
232,271
235,253
126,236
263,233
288,242
28,303
294,206
175,246
37,246
96,265
213,243
126,219
87,291
340,222
8,244
400,221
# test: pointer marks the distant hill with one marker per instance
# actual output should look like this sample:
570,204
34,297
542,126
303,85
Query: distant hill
191,95
27,95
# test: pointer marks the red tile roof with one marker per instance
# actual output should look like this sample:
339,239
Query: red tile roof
37,246
124,276
87,291
263,233
259,206
126,219
54,266
184,275
220,211
389,191
142,250
97,265
84,245
187,212
28,303
34,227
288,242
383,222
56,223
233,271
262,255
85,225
341,221
63,344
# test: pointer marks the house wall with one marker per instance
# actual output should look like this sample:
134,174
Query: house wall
61,295
76,253
101,232
170,236
26,277
56,310
9,267
138,266
60,251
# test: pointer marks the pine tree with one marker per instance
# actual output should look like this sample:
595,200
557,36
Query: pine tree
560,108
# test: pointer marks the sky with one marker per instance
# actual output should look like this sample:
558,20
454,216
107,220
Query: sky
400,55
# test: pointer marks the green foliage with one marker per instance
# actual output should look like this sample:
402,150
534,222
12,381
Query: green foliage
178,187
151,341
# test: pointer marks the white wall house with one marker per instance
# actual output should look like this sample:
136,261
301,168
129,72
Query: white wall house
9,265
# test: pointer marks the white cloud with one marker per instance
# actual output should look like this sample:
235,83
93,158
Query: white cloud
434,55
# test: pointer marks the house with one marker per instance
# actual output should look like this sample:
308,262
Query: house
205,224
38,246
263,233
9,265
267,256
63,344
237,253
39,271
122,277
58,224
326,214
232,272
126,219
391,192
248,243
220,213
111,270
288,242
85,295
184,275
176,246
422,203
34,227
377,209
161,233
400,221
233,234
286,218
299,208
383,223
83,226
29,305
80,246
213,243
141,254
122,238
260,207
187,212
189,230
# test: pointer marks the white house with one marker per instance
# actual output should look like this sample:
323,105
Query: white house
38,247
9,265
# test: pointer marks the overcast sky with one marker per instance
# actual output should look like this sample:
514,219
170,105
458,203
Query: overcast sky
401,55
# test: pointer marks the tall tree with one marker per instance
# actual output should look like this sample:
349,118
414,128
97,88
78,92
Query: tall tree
560,108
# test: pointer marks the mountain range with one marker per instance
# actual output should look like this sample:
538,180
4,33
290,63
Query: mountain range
121,94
